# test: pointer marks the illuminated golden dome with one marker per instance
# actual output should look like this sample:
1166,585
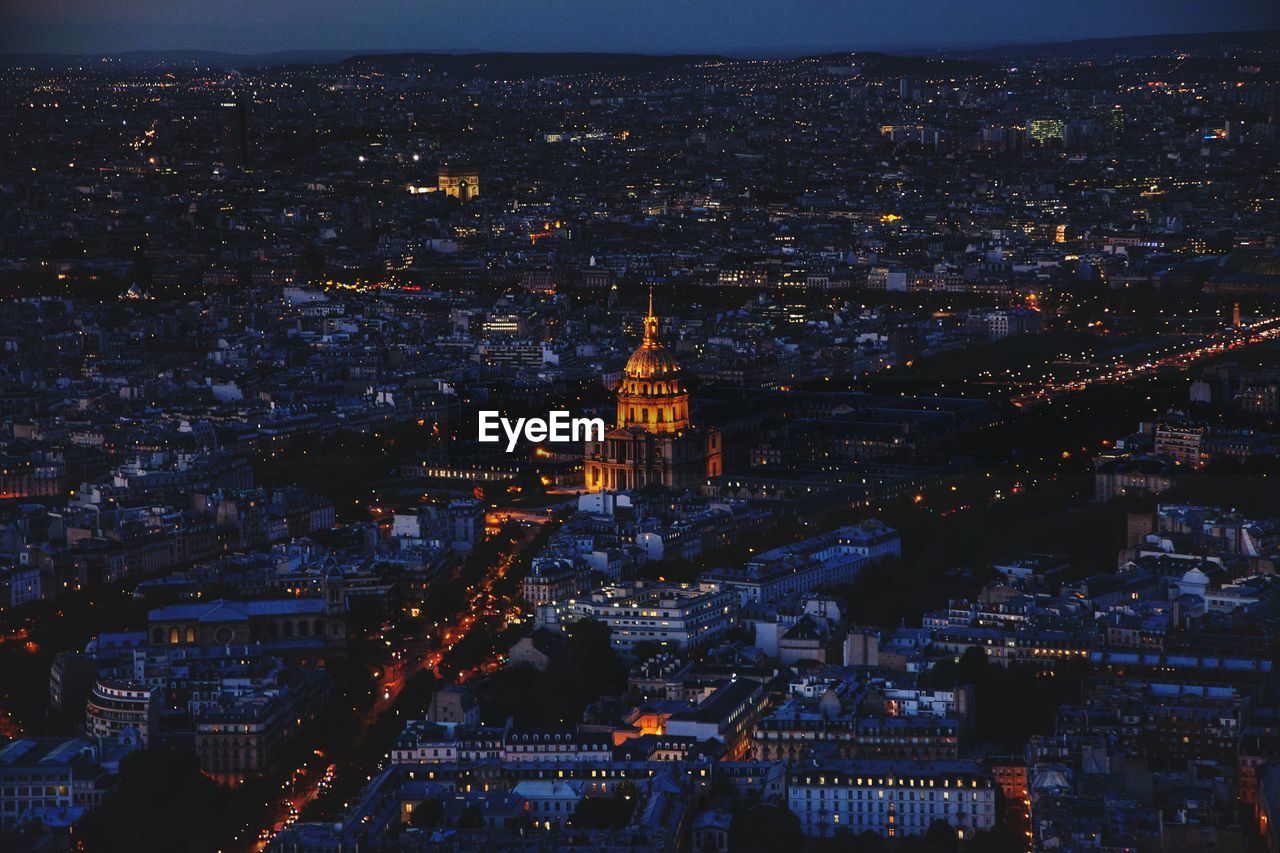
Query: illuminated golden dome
651,360
652,395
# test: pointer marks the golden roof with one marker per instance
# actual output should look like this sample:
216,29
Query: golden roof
651,360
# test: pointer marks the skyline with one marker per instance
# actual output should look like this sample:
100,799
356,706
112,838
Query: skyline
71,27
809,448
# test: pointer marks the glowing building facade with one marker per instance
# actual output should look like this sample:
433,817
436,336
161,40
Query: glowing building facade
654,441
460,183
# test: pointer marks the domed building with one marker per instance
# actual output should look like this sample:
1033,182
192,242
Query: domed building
653,442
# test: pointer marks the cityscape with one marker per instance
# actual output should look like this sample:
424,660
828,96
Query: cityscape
641,449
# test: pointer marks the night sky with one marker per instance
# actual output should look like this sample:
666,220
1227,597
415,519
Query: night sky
650,26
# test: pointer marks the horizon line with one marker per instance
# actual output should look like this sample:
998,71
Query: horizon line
754,52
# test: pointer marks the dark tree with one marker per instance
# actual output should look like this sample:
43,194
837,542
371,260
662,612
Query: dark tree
1003,838
603,813
765,828
162,803
427,814
842,841
645,649
868,842
941,837
471,818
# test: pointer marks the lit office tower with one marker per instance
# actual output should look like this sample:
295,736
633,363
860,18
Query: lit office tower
1115,120
235,135
1044,129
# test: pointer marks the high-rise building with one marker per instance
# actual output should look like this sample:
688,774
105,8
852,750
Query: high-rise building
1044,129
235,134
653,442
1115,121
1179,442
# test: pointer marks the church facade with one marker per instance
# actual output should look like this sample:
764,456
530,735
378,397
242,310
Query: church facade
653,442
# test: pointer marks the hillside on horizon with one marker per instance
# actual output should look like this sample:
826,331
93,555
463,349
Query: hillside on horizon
527,63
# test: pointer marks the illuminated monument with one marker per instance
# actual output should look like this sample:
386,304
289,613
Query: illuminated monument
653,442
459,182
